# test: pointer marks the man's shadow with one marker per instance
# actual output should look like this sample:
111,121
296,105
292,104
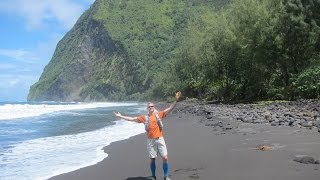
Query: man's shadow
138,178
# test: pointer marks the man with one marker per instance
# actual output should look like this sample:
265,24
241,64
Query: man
155,142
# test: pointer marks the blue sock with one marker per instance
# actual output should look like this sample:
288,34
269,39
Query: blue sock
153,168
165,167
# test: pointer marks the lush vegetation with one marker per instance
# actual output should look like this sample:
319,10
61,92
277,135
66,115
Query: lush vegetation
151,33
240,50
255,49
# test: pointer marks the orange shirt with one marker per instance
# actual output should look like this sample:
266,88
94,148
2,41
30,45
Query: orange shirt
154,130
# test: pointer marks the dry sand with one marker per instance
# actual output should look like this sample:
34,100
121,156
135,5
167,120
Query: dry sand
198,152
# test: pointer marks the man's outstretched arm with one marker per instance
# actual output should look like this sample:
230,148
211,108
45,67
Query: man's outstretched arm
134,119
173,105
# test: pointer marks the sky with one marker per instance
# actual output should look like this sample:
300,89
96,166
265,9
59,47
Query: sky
29,33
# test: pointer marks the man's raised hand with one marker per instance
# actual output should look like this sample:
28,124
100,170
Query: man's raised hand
178,95
117,114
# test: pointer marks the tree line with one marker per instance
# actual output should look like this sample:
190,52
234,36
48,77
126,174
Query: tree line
249,50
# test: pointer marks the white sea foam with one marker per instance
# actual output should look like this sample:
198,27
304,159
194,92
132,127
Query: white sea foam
14,111
43,158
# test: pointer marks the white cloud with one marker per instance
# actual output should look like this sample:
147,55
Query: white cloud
15,87
6,66
13,82
19,55
38,56
22,67
14,68
18,80
40,13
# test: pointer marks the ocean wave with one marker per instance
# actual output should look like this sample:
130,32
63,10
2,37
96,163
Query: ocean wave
46,157
16,111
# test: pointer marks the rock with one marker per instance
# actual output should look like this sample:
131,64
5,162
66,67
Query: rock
267,115
291,122
307,118
306,124
240,119
316,124
306,160
264,147
245,120
308,114
258,121
288,114
208,124
302,114
296,122
274,124
228,127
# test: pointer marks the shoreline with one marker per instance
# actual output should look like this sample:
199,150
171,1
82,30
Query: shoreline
207,146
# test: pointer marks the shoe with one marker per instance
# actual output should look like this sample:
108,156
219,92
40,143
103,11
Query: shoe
152,178
166,178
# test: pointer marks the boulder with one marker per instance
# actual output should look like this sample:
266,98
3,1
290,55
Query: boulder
306,160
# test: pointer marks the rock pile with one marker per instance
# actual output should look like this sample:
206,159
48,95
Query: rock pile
302,113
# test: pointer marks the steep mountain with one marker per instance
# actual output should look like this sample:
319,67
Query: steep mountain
116,49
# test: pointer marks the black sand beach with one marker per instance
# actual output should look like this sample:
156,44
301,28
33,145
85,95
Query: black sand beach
223,142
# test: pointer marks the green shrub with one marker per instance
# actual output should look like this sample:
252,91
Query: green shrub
307,84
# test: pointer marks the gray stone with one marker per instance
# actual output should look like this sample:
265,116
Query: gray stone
296,122
316,123
306,124
240,119
267,115
308,114
306,160
288,114
228,127
258,121
291,122
274,124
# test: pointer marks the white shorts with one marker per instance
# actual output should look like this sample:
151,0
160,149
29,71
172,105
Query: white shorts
156,146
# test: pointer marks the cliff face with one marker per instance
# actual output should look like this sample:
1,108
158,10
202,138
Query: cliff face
71,67
116,49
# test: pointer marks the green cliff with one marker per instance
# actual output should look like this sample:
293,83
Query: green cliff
115,50
228,50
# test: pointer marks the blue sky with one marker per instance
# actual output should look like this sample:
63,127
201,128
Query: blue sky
29,33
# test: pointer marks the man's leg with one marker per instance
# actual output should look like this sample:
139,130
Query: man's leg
164,154
165,166
152,151
153,166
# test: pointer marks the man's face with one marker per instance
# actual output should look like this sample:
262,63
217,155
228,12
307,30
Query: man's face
150,107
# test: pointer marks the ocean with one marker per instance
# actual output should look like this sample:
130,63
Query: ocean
42,139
